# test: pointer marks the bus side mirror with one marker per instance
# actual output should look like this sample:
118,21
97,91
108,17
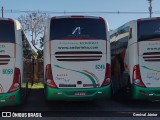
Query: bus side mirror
130,33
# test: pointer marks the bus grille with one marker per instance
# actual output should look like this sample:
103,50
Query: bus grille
78,55
4,59
151,56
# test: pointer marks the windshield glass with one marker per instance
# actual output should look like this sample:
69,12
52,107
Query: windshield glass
7,33
148,29
77,28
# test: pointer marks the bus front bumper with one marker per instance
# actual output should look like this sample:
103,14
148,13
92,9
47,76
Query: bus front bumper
140,93
77,94
12,98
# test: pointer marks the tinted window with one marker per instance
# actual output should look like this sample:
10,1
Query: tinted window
7,33
148,29
85,28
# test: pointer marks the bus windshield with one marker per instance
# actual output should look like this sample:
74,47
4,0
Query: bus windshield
7,33
77,28
148,30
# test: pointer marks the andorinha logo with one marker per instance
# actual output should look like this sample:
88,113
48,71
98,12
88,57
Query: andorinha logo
15,114
77,31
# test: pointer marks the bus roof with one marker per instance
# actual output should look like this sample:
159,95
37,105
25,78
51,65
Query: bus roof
148,19
8,19
77,16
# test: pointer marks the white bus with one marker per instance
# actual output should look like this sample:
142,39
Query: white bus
76,58
12,45
135,58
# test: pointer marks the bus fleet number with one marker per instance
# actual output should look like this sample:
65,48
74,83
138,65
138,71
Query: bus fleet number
100,67
7,71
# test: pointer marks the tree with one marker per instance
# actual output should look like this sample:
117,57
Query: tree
34,24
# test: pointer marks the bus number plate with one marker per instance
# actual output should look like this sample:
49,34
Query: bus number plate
79,93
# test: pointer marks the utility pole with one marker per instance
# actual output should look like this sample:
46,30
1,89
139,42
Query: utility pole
150,7
2,11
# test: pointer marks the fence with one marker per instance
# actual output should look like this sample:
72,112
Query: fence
28,70
33,70
38,70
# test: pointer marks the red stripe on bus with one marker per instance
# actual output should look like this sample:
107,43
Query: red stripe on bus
78,38
152,53
4,56
4,60
3,63
78,59
152,60
79,52
151,57
78,56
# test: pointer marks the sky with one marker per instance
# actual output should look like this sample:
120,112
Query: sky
114,20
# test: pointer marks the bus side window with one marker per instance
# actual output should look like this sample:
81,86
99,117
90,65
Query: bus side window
130,33
25,45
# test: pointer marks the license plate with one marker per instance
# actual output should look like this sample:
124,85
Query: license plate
80,93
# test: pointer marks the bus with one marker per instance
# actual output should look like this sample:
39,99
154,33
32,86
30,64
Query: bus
14,47
135,58
76,58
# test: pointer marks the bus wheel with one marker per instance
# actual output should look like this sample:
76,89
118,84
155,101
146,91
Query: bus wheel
26,91
128,85
112,90
119,76
128,89
116,72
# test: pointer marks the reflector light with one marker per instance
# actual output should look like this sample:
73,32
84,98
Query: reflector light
107,79
16,80
137,76
49,78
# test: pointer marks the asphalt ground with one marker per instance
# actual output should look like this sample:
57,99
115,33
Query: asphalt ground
117,108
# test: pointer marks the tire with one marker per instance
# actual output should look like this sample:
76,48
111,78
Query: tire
112,91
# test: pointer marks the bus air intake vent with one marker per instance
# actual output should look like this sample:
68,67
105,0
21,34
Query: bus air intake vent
4,59
151,56
78,55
